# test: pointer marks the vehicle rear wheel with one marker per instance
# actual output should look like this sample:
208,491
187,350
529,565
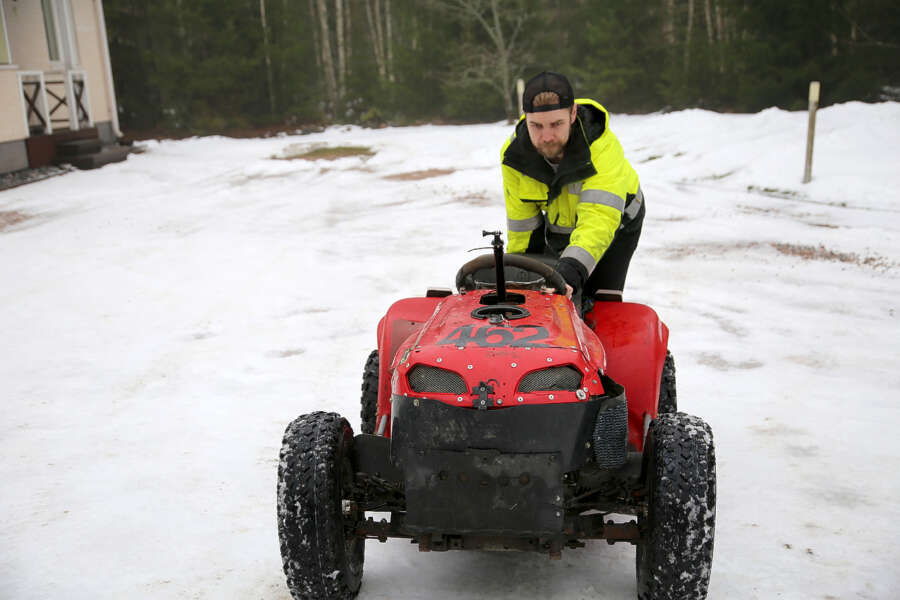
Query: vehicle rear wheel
321,556
369,401
674,557
668,399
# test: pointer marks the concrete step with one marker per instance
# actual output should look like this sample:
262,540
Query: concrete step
77,148
108,154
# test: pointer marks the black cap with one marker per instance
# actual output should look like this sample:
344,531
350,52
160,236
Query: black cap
547,82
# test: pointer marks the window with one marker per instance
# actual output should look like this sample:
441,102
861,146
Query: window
5,58
50,30
62,45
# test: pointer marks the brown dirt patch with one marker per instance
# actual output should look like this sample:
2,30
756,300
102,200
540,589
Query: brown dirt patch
707,249
294,152
820,252
476,199
716,361
8,218
417,175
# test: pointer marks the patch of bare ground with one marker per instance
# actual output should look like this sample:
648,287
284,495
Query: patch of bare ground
243,179
307,152
774,192
781,212
820,252
824,225
8,218
476,199
288,353
324,170
417,175
707,249
716,361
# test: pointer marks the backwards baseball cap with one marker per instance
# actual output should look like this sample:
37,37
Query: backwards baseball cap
547,82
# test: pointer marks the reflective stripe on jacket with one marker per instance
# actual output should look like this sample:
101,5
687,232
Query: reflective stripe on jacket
593,192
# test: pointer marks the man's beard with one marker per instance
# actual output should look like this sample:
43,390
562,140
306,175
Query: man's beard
552,152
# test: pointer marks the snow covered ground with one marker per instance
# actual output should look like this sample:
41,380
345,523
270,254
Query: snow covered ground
163,319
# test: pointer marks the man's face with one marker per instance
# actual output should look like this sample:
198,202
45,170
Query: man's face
549,131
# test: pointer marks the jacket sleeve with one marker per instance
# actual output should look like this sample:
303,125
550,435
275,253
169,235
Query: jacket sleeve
522,218
601,202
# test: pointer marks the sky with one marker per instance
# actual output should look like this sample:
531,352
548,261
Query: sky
163,320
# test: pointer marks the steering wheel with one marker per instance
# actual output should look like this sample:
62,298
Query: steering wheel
486,261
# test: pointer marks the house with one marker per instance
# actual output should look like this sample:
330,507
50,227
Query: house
57,101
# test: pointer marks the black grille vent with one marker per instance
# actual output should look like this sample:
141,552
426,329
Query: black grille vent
553,379
431,380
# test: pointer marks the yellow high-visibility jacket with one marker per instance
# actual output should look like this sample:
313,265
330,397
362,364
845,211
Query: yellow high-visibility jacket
581,205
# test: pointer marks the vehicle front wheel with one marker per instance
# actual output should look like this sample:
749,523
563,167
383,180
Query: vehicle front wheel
321,556
368,402
674,556
668,399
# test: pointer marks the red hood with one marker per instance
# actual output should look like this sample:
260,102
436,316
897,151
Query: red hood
551,334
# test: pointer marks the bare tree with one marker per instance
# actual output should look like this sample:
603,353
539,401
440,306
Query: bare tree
348,38
373,18
341,47
502,61
268,57
688,35
721,34
389,40
316,47
331,90
709,23
668,25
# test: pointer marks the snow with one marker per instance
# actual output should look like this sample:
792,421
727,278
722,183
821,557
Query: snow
164,319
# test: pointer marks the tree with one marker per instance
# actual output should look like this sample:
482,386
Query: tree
500,60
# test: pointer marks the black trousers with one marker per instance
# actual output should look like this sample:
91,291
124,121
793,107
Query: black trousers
610,272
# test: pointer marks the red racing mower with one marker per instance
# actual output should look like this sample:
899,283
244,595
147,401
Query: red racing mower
500,419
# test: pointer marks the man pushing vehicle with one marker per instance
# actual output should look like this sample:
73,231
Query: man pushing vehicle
502,417
570,193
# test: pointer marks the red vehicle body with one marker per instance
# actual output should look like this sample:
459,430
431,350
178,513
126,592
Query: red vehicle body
500,418
626,341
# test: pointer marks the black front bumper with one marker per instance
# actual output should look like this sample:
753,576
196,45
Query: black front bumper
488,472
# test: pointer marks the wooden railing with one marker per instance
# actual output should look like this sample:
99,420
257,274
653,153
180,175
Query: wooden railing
68,106
34,91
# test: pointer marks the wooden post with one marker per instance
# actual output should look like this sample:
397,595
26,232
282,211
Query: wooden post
811,129
520,91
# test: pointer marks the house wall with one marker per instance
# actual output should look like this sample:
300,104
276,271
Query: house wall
13,155
12,119
90,50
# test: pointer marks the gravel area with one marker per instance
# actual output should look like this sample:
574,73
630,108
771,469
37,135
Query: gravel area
17,178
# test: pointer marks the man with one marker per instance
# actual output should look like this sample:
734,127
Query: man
569,191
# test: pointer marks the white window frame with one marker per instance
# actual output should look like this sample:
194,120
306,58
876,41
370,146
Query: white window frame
65,34
5,38
55,63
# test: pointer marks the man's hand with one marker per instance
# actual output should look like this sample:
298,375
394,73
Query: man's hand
550,290
573,272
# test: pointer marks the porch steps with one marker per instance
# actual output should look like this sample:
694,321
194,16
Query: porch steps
77,148
89,153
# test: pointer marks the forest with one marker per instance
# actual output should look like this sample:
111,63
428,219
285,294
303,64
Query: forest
217,66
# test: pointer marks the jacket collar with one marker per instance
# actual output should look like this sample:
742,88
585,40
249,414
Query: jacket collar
576,164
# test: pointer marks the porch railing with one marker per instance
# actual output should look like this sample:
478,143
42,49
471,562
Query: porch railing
57,100
34,93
